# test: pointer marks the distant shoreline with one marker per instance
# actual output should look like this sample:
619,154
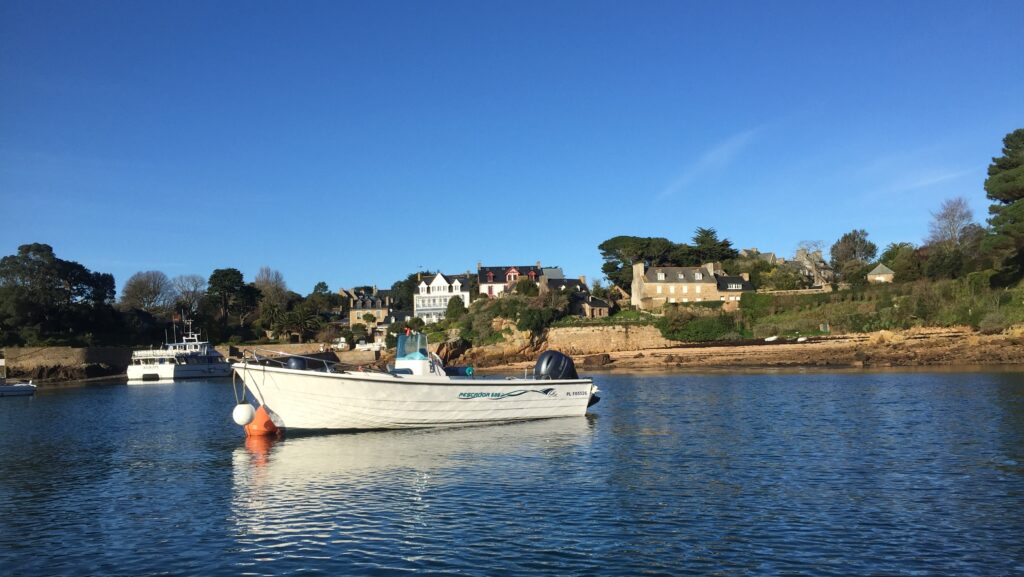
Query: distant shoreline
932,348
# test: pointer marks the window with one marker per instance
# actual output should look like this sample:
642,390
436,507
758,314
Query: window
733,286
659,289
686,289
682,276
686,300
671,300
697,289
672,289
661,276
698,276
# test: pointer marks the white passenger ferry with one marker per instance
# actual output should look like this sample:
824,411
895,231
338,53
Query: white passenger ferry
189,358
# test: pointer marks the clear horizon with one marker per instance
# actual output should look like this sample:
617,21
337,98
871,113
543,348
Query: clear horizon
355,144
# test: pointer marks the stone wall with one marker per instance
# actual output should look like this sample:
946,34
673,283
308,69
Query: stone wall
28,359
594,340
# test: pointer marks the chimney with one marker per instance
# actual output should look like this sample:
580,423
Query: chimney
583,280
479,265
538,264
745,276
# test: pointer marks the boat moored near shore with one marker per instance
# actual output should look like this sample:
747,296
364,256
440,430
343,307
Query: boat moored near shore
301,393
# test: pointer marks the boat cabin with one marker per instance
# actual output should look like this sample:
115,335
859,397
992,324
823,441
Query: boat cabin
412,357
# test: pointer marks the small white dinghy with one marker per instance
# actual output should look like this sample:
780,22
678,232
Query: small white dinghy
17,389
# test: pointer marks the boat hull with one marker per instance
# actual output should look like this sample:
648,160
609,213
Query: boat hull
171,372
314,400
17,390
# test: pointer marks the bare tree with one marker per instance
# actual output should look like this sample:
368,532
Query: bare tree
149,290
189,289
272,286
949,225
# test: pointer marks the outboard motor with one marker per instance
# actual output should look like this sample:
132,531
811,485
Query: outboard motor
553,365
297,363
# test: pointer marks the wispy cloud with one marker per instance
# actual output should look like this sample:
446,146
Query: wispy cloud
928,178
715,158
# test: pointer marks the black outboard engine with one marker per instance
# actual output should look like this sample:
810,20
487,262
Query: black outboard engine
553,365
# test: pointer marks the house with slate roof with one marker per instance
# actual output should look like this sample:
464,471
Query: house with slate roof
377,304
496,280
655,287
880,274
430,302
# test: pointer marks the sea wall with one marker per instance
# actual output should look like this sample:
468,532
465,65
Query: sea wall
30,358
606,339
66,363
79,363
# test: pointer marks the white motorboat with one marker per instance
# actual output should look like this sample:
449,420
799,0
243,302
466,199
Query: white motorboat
16,389
189,358
302,393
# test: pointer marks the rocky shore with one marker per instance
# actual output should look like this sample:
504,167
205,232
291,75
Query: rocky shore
924,347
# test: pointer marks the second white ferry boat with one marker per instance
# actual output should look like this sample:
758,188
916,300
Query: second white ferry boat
189,358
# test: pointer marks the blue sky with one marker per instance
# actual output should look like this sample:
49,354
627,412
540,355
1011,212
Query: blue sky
355,143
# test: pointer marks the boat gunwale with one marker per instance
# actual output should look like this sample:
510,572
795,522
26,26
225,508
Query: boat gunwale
402,379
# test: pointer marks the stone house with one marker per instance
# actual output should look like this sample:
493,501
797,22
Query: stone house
881,274
592,307
377,304
430,302
655,287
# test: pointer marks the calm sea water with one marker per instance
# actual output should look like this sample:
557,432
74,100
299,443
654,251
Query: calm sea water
793,474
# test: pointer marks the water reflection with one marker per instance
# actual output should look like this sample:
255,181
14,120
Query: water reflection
293,491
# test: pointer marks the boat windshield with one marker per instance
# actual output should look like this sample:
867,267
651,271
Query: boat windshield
411,347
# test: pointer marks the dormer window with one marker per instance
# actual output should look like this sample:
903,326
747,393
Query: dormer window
490,276
532,275
735,286
661,276
698,276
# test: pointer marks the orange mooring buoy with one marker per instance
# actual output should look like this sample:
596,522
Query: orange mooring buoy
261,424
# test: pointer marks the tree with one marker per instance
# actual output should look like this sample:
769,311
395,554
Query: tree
1005,186
272,286
709,249
402,291
370,319
43,297
852,246
1005,182
456,309
320,288
224,285
904,261
526,287
149,290
190,289
301,322
950,224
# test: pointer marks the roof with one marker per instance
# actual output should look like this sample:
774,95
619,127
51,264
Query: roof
500,271
597,303
725,281
560,283
672,274
448,278
881,269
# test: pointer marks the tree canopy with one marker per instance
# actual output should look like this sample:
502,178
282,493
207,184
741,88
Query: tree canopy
43,297
1005,186
853,246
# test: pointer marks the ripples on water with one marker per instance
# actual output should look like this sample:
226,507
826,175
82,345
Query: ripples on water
818,474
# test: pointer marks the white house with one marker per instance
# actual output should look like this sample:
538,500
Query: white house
431,299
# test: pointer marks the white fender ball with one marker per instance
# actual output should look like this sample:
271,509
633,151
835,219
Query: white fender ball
243,414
